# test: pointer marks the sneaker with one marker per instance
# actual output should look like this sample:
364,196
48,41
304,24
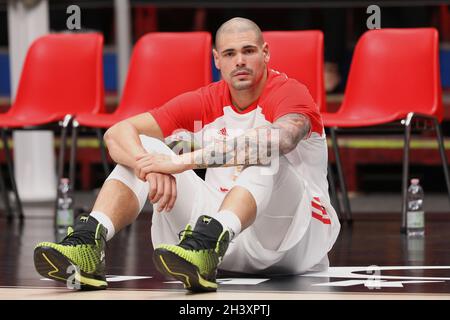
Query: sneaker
195,259
79,259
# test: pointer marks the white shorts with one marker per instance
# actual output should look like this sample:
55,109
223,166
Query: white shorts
285,237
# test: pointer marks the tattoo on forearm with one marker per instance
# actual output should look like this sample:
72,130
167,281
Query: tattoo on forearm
293,128
257,146
248,149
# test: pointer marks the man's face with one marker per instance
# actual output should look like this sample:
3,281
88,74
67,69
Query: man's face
241,59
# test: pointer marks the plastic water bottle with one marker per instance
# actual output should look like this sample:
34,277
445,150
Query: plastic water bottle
415,219
64,211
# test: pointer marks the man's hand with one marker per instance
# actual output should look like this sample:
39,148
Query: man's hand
159,163
163,188
157,169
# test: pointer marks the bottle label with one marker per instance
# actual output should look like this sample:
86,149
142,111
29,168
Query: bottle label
64,217
415,219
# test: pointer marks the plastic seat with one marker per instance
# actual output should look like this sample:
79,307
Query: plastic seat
163,65
394,78
299,54
61,76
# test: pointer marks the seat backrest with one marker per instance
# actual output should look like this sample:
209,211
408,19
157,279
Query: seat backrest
394,71
62,74
299,54
164,65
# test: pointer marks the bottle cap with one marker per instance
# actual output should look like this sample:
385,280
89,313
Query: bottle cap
415,181
65,180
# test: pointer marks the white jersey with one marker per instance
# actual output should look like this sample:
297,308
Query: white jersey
208,114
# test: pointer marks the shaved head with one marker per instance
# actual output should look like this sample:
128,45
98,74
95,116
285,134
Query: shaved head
241,55
239,25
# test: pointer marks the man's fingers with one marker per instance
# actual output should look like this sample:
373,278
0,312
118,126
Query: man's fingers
137,173
140,165
167,194
143,172
163,190
173,196
151,178
159,189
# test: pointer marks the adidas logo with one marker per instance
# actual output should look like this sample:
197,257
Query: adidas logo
223,131
84,219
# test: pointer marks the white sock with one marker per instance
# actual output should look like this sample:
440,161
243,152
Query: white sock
106,222
228,219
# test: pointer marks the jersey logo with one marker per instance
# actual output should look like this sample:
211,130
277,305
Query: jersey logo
319,212
223,131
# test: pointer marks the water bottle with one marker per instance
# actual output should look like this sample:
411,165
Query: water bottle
415,219
64,211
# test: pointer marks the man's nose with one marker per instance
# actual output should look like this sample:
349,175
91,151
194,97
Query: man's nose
240,60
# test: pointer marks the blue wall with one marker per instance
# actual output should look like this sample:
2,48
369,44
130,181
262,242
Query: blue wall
444,59
5,87
110,71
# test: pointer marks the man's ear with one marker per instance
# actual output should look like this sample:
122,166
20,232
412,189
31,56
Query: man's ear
216,59
266,52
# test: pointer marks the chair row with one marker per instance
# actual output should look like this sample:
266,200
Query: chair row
394,78
61,86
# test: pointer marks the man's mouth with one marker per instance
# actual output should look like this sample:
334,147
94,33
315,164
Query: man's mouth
241,73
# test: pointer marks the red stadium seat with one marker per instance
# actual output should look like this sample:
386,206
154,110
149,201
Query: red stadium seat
299,54
163,65
61,76
394,78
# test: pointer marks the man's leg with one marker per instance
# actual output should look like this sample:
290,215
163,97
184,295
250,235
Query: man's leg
123,196
241,202
251,194
79,259
266,202
119,202
285,236
275,196
195,259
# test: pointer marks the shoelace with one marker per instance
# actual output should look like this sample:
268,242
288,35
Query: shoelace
202,241
80,237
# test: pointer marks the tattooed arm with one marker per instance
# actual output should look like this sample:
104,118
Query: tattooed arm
293,128
255,147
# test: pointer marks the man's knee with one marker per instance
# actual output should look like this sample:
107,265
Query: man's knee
260,186
260,181
265,176
154,145
127,177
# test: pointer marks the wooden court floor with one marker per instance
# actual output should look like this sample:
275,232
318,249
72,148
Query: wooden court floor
371,260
